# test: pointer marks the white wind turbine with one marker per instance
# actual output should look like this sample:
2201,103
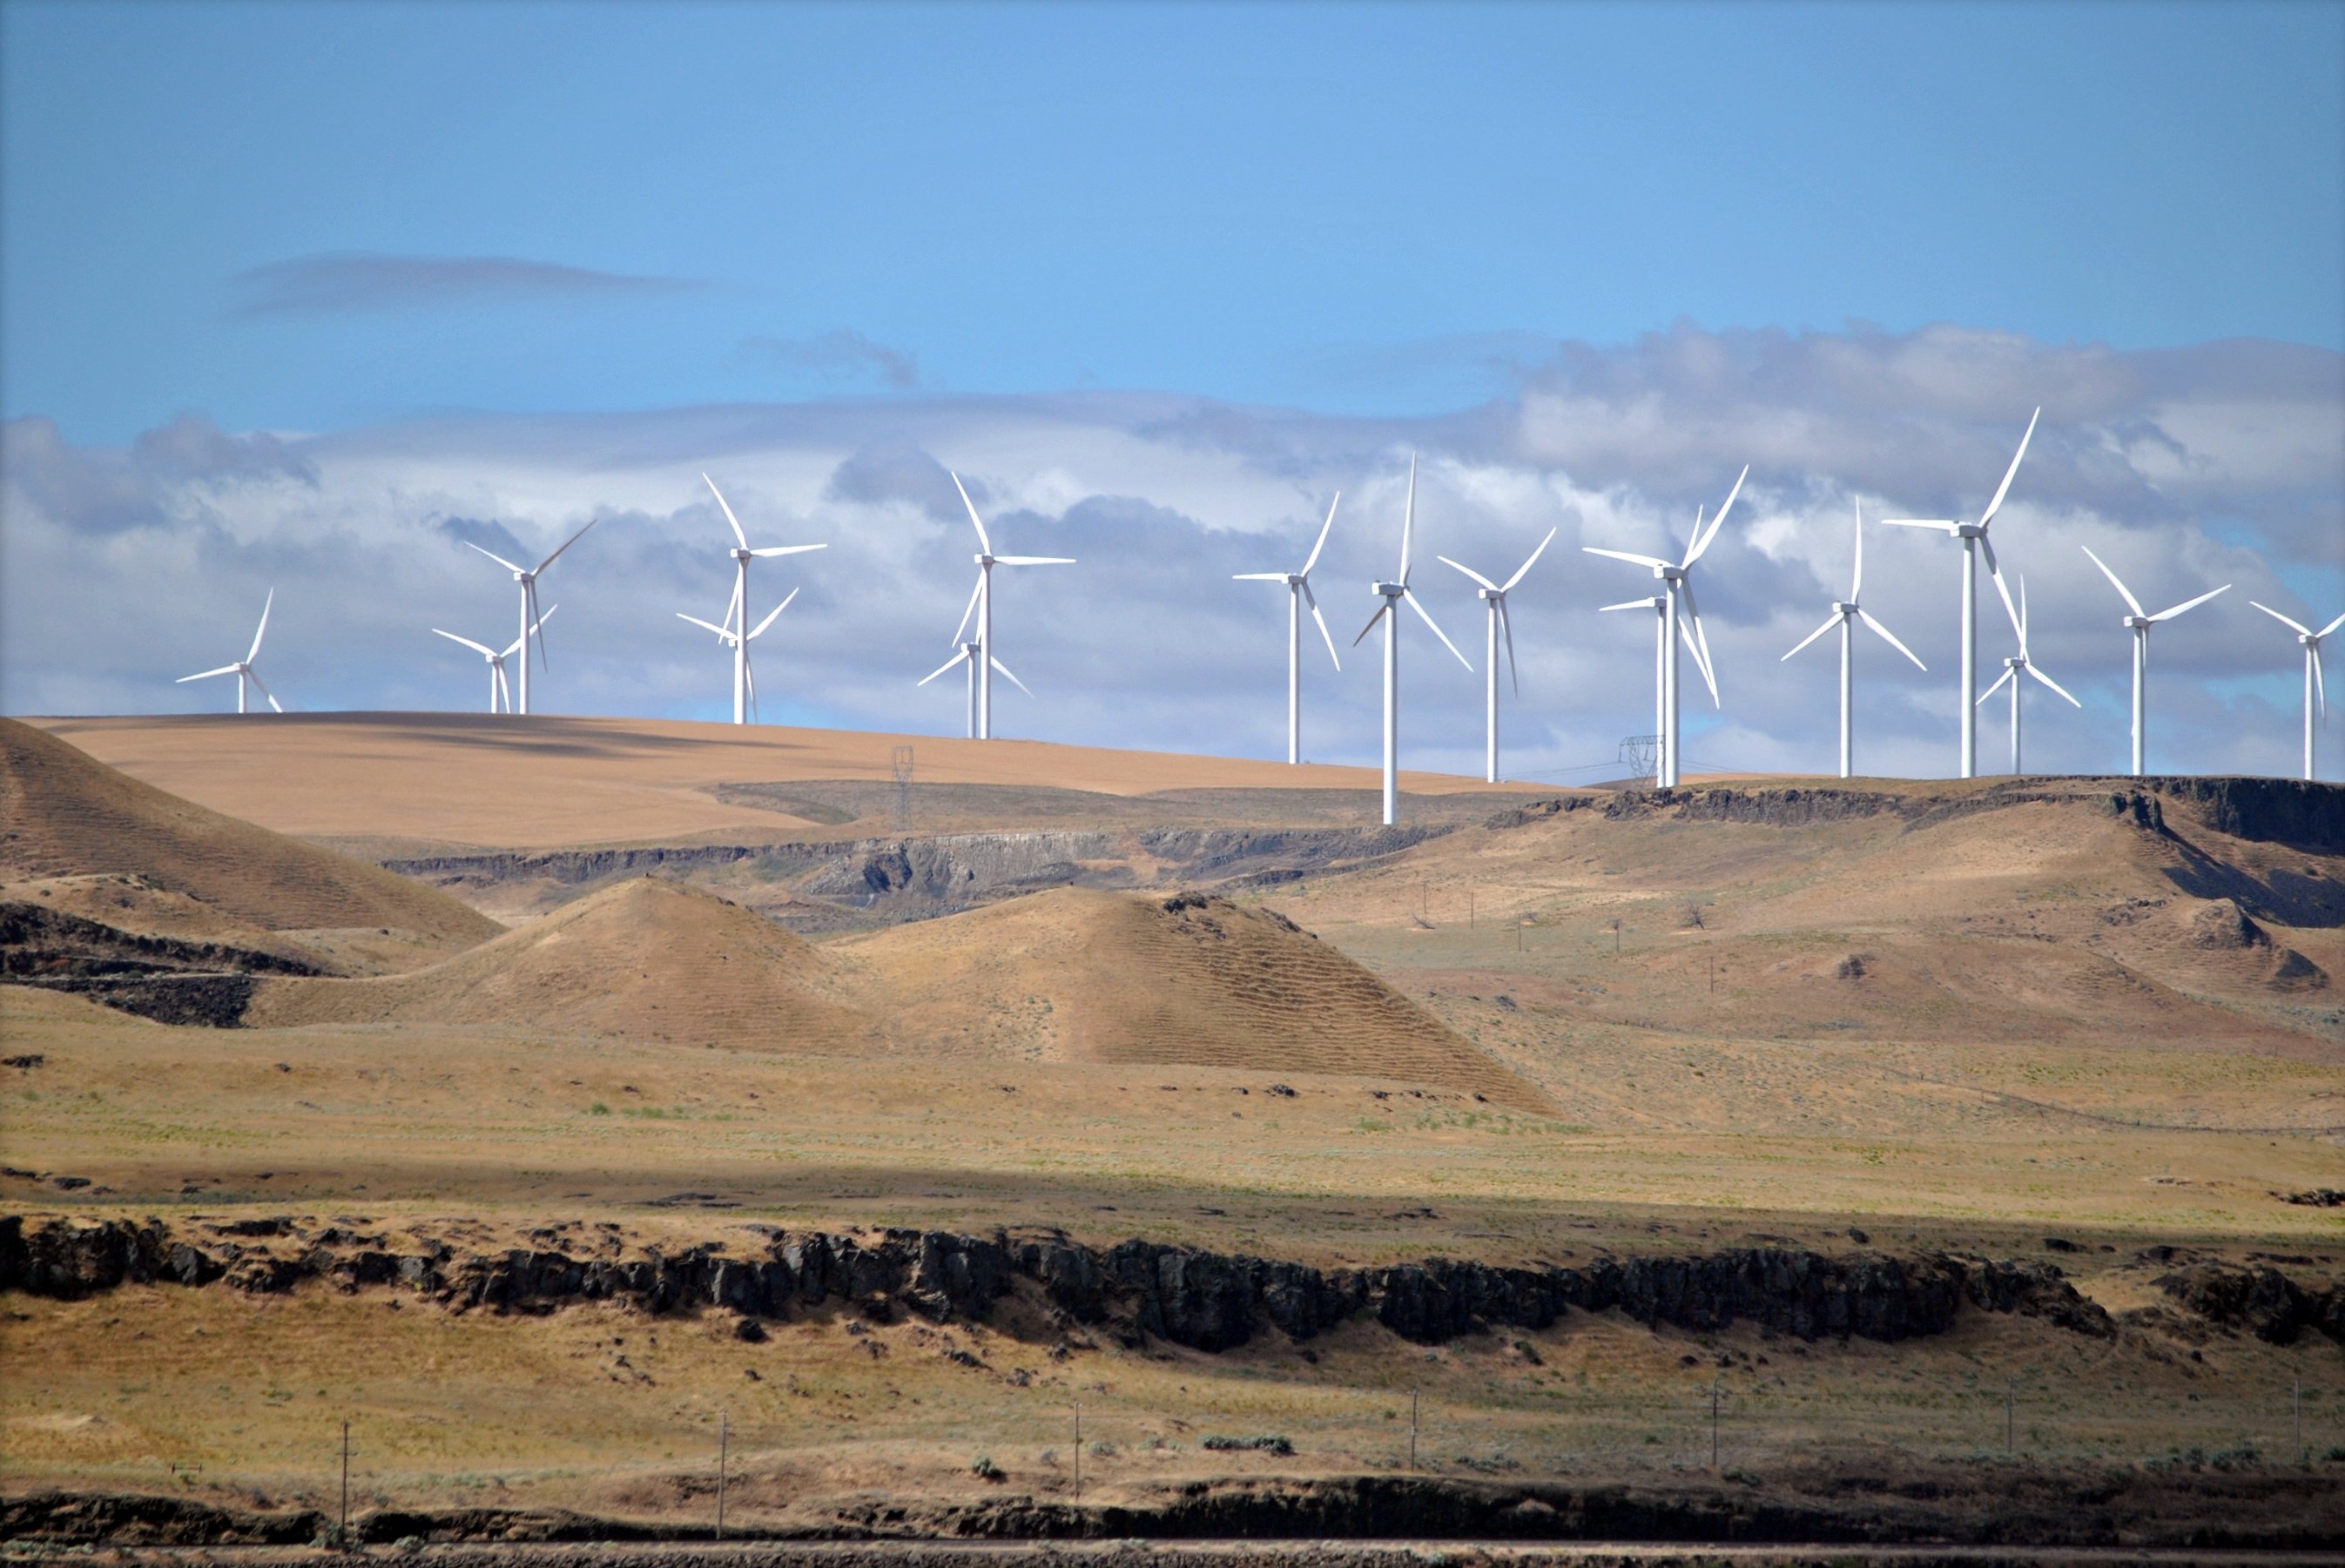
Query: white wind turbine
1298,592
1495,597
2138,623
1975,543
2012,670
498,685
530,621
2315,690
1660,605
980,604
741,554
745,679
1844,613
969,655
1395,593
1681,619
242,669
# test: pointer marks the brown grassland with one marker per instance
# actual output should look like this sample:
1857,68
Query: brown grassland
1553,1036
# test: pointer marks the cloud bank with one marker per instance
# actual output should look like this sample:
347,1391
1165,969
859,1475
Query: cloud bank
2185,469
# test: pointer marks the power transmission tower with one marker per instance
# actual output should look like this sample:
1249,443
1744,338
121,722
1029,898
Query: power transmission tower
1640,759
900,763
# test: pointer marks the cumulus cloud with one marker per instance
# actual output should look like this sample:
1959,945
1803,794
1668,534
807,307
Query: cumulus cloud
844,355
2183,468
343,282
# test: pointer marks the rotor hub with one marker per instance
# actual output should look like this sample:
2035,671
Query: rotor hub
1844,609
2136,622
1969,531
1389,590
1670,573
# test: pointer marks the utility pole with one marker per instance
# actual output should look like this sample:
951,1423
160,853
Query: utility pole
724,1445
1412,1431
346,1480
1079,1451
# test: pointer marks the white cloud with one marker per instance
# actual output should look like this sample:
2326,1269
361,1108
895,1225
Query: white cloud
125,568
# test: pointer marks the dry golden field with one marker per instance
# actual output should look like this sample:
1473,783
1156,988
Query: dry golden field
1571,1033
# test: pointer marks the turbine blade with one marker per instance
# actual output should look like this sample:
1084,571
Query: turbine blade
1702,543
724,631
1625,555
2012,473
1890,637
1372,624
504,687
952,664
1524,569
2124,592
1940,524
774,614
1014,680
736,522
1507,626
1626,604
1856,583
263,630
1323,535
2189,604
1033,561
2003,592
500,560
1408,520
537,622
1991,691
733,616
2297,626
2051,683
566,544
1257,577
2332,626
265,691
972,605
1468,571
749,675
1701,641
1424,615
1830,621
773,550
1312,599
983,543
2319,687
1688,629
484,652
207,674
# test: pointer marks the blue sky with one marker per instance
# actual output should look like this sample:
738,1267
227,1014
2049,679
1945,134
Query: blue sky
1349,208
303,295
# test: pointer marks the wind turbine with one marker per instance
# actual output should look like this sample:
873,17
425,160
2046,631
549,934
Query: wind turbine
1298,592
744,680
741,554
530,621
2012,670
1678,608
1495,597
242,669
1395,593
2314,688
2138,623
1844,613
498,685
1660,605
1975,543
969,655
980,604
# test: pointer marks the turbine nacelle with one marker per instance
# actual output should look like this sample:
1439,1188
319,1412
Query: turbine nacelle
1389,590
2135,622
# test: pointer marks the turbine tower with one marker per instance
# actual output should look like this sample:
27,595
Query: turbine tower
1298,593
2138,623
1845,613
2314,688
530,621
2014,668
1395,593
242,669
1975,544
969,655
1495,597
742,554
745,679
498,685
1681,620
980,604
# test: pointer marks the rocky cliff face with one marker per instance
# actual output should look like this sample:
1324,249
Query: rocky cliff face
1142,1290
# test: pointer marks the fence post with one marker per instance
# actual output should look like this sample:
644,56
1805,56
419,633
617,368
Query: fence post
724,1447
1079,1451
346,1484
1412,1431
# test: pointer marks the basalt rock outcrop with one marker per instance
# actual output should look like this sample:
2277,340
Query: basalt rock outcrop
1141,1289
